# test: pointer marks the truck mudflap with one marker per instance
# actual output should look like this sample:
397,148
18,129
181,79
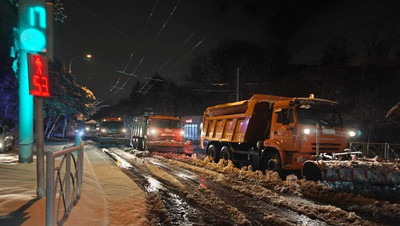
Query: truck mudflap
113,141
359,171
171,146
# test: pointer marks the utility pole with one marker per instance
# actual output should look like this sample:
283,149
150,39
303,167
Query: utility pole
33,81
237,84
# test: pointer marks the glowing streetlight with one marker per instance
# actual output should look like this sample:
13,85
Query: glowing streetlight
86,57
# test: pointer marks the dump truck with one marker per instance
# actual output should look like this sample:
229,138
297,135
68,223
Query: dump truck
91,131
112,131
159,133
283,133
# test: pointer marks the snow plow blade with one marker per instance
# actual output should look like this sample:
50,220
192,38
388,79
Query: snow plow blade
171,146
359,171
106,141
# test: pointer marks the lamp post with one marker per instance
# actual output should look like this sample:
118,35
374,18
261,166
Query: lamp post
86,57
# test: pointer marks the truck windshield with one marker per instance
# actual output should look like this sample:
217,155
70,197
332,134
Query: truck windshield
112,125
91,126
167,123
325,117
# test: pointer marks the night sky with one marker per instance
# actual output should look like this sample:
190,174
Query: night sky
110,31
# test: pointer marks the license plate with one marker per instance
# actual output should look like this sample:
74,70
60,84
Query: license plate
168,130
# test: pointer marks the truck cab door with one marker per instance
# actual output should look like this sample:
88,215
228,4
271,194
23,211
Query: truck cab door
282,128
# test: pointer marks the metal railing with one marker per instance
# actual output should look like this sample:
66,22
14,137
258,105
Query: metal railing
382,150
64,180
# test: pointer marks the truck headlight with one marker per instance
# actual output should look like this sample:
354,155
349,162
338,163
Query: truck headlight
352,133
87,128
1,145
306,131
153,131
123,130
182,132
103,130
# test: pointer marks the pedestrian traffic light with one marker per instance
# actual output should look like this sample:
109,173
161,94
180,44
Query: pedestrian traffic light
38,75
32,25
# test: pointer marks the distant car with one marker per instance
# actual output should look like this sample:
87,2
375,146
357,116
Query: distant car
6,139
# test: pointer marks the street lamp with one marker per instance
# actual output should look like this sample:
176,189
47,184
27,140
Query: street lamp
86,57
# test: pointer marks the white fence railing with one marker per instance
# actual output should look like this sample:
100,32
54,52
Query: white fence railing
66,182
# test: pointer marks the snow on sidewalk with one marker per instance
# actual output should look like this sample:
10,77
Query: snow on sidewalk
126,201
108,195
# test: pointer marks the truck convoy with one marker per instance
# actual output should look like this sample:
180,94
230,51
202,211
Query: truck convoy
278,133
161,133
112,131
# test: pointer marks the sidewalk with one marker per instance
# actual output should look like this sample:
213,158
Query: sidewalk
109,197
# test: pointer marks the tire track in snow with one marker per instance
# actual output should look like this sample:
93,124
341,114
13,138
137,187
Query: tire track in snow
165,198
327,213
256,210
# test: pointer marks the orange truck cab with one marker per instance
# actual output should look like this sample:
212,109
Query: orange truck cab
159,133
112,131
273,132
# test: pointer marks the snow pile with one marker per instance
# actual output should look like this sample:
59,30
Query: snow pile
292,185
164,176
327,213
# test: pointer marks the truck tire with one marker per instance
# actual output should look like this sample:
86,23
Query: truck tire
212,152
140,144
274,162
226,154
135,143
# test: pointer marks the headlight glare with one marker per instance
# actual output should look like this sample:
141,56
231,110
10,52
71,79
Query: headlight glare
306,131
352,133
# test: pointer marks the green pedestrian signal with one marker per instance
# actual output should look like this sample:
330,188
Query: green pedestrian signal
33,26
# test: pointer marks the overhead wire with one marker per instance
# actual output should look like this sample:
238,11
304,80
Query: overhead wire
188,39
113,28
205,37
132,54
158,35
148,49
105,22
190,36
140,38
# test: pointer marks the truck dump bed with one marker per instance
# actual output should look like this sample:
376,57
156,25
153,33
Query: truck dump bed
239,122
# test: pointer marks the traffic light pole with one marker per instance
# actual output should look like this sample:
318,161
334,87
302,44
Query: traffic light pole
25,112
40,192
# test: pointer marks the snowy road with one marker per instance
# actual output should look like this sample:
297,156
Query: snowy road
188,191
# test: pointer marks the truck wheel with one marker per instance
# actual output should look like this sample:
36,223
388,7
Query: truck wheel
274,163
226,154
212,153
145,148
140,145
134,143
